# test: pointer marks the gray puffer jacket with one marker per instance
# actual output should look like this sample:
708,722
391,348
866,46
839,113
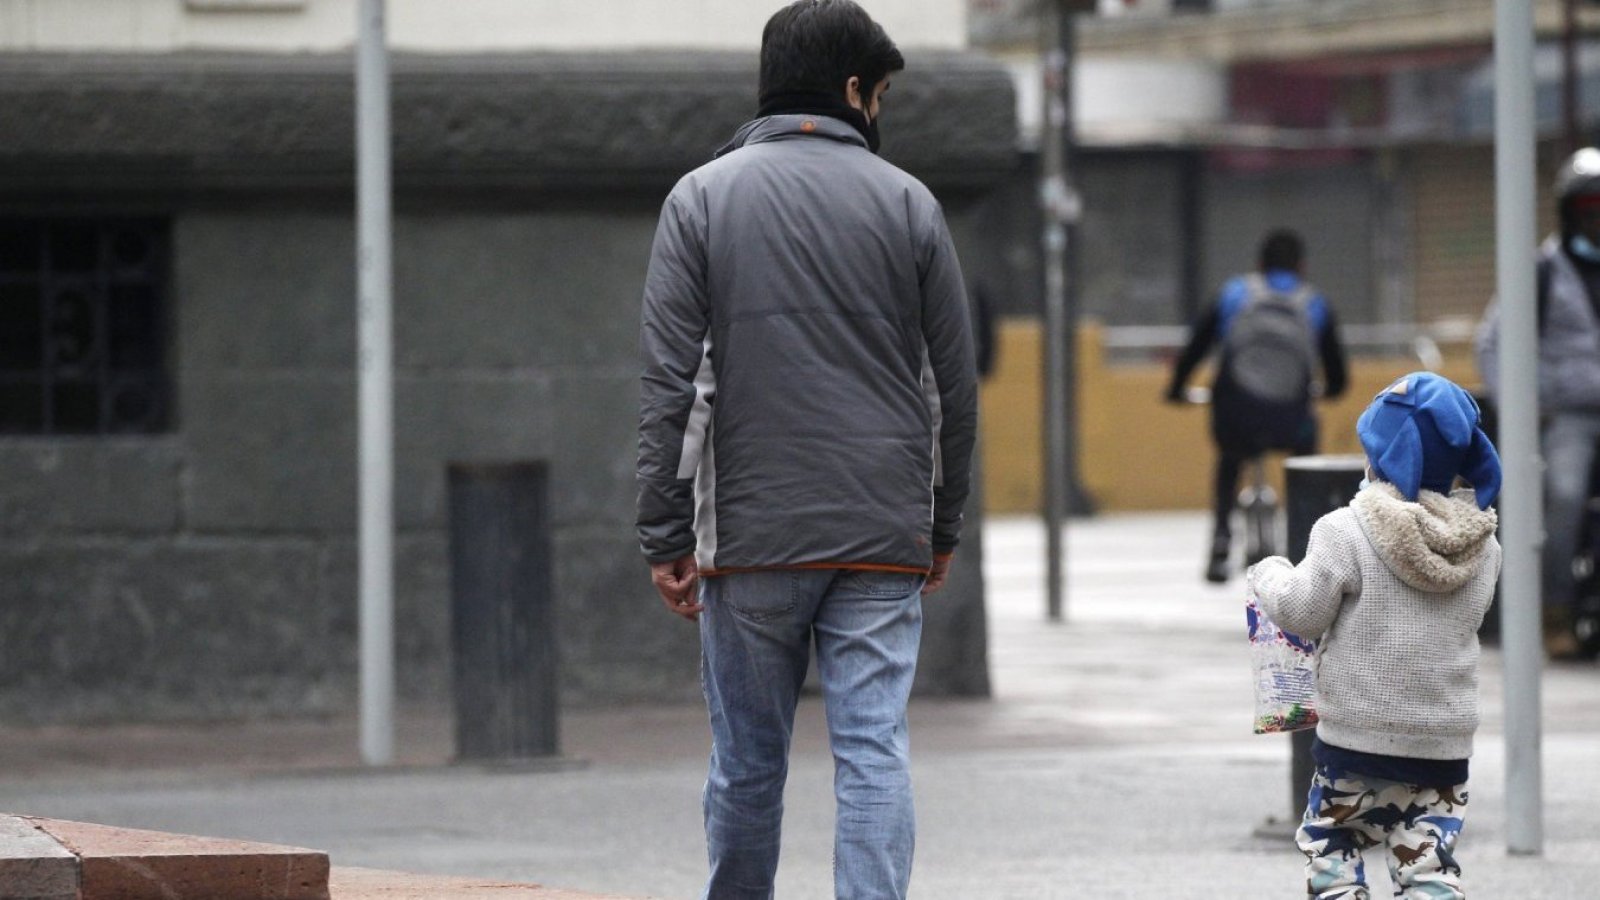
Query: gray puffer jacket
1396,591
809,397
1569,339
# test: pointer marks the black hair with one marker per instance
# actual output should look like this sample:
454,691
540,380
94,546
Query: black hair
1282,249
814,46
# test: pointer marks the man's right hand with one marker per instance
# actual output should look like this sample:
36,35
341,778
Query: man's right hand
677,582
939,574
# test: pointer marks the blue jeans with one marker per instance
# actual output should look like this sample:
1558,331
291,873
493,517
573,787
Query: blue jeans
1568,440
755,637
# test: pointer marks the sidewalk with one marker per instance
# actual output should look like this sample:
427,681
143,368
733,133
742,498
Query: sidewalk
1115,761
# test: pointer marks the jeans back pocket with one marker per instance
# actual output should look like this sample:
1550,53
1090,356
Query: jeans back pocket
761,596
873,583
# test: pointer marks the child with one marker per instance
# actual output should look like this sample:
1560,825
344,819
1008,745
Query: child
1395,586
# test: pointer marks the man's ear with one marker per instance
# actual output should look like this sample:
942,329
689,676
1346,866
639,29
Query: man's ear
852,92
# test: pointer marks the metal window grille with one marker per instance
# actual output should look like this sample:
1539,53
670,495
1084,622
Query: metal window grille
82,326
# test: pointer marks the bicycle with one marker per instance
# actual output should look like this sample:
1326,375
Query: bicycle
1586,574
1257,504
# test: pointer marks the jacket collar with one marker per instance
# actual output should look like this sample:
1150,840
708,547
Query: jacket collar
1284,280
789,127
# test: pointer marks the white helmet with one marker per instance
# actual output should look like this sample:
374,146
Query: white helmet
1579,175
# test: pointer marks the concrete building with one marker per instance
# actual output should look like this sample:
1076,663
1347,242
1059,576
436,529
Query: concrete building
177,326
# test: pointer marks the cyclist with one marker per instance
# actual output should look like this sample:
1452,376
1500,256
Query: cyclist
1275,330
1569,383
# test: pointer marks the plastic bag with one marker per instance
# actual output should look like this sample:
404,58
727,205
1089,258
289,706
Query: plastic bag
1285,672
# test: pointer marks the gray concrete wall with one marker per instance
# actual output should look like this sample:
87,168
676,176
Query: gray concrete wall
211,571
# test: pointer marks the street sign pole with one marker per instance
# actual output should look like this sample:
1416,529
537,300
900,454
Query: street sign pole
1060,208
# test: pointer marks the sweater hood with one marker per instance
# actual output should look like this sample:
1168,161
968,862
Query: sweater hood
1435,543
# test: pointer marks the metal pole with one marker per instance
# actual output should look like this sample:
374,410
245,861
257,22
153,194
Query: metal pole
376,412
1059,205
1076,498
1521,519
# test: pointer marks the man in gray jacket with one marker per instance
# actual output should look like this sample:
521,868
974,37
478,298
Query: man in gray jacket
806,426
1569,384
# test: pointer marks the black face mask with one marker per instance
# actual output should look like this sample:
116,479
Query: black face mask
871,131
873,139
810,103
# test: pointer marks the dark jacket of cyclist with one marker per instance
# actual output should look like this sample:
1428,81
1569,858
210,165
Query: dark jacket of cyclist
1243,424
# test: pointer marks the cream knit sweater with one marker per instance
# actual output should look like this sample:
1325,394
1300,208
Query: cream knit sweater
1395,591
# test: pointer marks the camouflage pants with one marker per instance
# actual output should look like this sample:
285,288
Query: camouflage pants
1418,825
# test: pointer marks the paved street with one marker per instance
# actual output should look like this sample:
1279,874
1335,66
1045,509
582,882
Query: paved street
1115,761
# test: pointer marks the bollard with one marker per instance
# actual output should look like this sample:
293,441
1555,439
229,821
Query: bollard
502,604
1313,487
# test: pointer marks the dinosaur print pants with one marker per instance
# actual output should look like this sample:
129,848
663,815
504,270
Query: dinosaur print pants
1418,826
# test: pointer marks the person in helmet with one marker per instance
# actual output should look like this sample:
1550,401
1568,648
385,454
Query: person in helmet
1569,382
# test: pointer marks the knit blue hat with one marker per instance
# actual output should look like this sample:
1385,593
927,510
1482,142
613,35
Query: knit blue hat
1423,431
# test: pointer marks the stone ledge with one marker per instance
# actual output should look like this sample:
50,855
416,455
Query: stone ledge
53,859
545,122
132,864
33,864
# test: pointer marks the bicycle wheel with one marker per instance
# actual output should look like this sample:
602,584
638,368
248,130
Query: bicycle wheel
1586,615
1270,540
1260,519
1586,578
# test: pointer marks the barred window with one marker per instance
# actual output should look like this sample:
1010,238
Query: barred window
82,326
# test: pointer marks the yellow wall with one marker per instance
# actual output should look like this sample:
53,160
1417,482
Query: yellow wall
1135,450
1010,417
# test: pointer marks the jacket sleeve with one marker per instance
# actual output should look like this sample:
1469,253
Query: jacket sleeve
1202,334
1335,372
1486,344
1305,599
672,344
947,332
